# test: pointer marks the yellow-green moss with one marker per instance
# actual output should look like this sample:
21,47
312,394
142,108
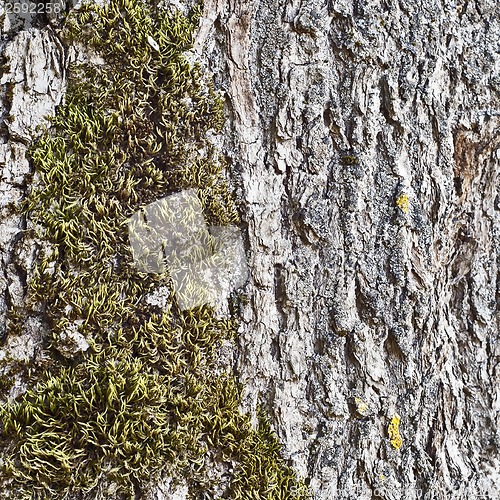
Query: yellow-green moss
6,383
349,160
145,398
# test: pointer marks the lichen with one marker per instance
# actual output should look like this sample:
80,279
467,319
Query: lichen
361,406
145,398
393,432
403,202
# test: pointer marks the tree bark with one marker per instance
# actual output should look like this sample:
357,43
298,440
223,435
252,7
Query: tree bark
337,111
362,139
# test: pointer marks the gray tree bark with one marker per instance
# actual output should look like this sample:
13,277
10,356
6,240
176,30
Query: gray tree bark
363,146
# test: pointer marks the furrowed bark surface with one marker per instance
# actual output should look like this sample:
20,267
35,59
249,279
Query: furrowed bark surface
359,310
336,110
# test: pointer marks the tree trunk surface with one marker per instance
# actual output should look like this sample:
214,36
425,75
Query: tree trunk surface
363,147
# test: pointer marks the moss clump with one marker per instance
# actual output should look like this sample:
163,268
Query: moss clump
349,160
145,398
6,383
14,321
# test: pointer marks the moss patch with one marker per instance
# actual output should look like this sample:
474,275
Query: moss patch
6,383
146,397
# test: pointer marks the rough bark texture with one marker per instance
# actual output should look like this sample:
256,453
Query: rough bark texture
337,109
363,143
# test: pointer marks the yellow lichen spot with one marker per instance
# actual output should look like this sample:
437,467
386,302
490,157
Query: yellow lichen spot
403,202
381,477
393,432
361,406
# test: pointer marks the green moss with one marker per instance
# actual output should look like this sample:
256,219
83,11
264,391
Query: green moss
6,383
14,321
349,160
145,399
